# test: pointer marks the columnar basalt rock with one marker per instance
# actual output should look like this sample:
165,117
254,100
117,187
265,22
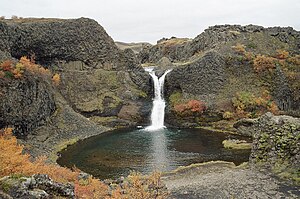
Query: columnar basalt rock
25,104
201,77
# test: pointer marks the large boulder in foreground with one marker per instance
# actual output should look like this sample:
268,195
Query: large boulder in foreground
276,143
36,186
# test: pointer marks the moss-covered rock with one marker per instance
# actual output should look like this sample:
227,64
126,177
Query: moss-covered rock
276,143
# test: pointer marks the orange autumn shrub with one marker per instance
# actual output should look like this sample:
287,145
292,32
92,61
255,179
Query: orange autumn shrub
263,62
14,161
190,108
282,54
239,48
56,79
6,65
139,186
91,189
9,69
34,68
246,104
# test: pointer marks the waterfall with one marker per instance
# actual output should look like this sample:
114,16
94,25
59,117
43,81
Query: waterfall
158,109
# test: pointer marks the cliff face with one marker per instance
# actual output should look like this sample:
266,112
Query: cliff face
97,80
203,77
25,104
108,85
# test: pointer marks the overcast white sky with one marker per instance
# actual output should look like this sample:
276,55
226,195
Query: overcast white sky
150,20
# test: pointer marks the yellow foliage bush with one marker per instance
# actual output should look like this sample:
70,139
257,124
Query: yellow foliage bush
239,48
282,54
56,79
263,62
228,115
294,60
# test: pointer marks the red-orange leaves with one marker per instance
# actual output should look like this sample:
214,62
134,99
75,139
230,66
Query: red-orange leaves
190,108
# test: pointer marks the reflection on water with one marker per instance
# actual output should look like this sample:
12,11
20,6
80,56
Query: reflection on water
118,152
160,160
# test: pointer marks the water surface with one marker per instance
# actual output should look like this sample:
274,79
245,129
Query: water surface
116,153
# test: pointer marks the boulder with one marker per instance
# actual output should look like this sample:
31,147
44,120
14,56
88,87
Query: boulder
37,186
276,142
245,126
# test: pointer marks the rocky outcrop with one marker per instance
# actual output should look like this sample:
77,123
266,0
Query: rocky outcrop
135,47
59,39
172,48
201,80
37,186
202,77
221,38
276,140
99,83
220,179
25,104
164,63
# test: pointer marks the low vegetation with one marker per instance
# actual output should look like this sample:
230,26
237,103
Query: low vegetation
26,66
247,105
236,144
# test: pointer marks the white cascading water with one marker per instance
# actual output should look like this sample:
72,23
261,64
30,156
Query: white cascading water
158,110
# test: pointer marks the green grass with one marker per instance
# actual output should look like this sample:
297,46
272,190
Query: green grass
236,144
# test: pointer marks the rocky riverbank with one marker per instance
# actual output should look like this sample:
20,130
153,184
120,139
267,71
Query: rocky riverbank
225,180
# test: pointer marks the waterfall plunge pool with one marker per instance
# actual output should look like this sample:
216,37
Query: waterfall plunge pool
116,153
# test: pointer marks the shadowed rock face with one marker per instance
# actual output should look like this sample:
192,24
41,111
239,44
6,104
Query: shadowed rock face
204,76
25,104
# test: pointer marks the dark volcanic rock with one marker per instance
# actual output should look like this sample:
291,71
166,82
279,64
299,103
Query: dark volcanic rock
25,104
219,36
276,140
137,74
35,187
58,39
204,76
